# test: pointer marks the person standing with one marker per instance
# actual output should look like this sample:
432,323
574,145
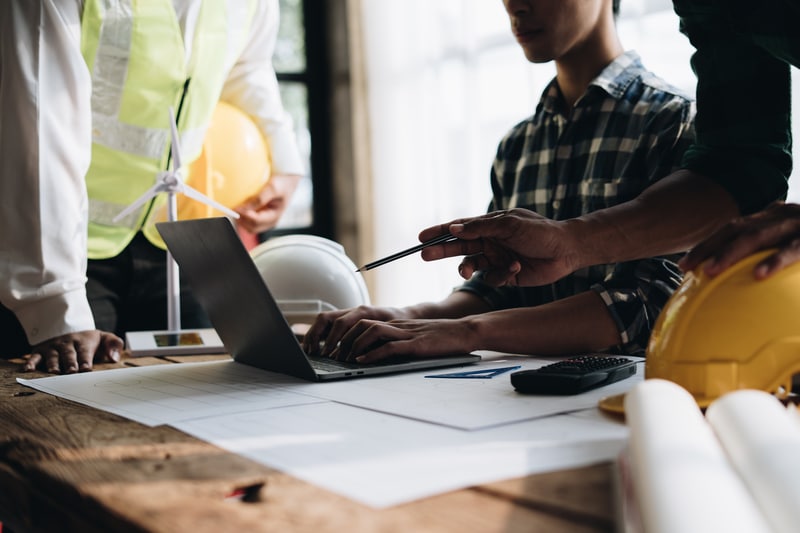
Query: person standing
85,91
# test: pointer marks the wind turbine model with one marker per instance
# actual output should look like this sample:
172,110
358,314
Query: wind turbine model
174,340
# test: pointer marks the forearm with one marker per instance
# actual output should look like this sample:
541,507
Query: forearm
671,216
577,324
457,304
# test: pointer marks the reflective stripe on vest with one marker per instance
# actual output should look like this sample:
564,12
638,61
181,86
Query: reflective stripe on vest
135,52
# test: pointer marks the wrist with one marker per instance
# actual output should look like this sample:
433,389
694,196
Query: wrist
456,305
424,310
284,184
478,332
583,244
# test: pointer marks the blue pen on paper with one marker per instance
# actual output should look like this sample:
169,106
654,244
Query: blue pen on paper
487,373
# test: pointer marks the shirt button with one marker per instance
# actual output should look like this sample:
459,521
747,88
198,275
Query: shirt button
556,204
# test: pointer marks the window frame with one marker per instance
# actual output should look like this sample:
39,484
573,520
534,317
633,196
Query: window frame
316,80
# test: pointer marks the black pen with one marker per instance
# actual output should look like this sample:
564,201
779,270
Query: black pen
447,237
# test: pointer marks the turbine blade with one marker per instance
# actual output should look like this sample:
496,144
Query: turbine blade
139,202
200,197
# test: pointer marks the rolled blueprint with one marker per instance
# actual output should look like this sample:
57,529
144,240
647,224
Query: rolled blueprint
762,440
682,479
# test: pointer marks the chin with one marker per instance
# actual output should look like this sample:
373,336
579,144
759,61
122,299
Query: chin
538,55
538,58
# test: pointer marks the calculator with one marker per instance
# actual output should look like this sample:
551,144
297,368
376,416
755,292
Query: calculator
574,375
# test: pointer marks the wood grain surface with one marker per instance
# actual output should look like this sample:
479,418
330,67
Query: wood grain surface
68,467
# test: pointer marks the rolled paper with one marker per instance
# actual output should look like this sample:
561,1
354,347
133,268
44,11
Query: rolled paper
762,440
682,479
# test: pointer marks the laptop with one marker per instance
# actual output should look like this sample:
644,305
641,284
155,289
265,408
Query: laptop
247,318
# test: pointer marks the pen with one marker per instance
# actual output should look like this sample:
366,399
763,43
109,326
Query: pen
447,237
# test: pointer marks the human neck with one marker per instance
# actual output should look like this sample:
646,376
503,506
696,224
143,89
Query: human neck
582,64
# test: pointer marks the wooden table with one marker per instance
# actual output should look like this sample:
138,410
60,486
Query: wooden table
69,467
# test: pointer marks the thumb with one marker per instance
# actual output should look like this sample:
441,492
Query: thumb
110,347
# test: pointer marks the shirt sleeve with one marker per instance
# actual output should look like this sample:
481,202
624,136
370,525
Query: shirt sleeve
45,147
743,103
668,137
634,294
505,297
252,86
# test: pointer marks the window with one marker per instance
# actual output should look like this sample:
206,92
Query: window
302,75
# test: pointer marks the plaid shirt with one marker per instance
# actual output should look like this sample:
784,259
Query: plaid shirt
742,58
628,130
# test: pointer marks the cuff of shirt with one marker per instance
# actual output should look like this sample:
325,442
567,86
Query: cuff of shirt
634,295
625,311
286,158
494,297
56,316
753,182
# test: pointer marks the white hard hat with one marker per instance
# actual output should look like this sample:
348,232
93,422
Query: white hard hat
307,274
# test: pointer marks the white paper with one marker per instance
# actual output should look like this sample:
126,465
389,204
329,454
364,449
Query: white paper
382,460
164,394
682,479
460,403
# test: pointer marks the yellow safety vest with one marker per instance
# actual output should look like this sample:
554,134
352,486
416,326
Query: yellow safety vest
135,52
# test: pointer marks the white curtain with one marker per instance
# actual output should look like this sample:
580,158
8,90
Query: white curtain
445,81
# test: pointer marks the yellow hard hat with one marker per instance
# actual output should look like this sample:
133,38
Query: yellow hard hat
729,332
233,166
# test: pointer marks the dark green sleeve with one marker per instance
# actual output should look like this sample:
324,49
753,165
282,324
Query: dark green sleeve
743,122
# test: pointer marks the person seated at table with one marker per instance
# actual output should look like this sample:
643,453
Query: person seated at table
739,165
604,130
